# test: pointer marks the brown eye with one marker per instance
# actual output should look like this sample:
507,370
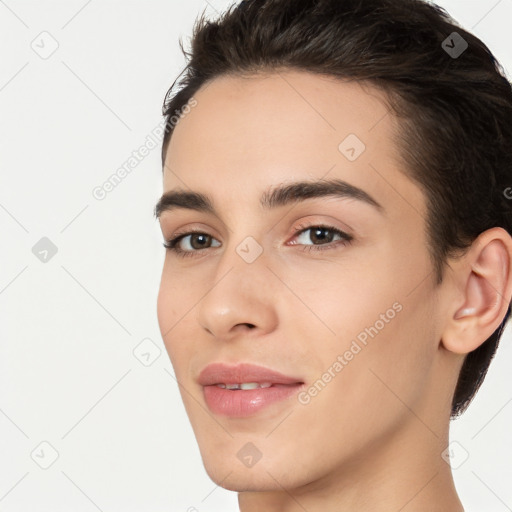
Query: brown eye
196,243
320,235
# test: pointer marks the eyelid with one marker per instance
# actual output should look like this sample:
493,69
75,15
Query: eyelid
309,222
346,238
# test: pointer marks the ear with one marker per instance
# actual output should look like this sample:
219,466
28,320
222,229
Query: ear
484,289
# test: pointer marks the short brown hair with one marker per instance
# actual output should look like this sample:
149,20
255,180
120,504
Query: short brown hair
455,111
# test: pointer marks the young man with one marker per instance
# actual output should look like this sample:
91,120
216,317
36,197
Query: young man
338,229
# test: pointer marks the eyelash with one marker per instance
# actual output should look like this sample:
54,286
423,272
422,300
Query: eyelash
171,244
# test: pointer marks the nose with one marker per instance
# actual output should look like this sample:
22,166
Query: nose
240,300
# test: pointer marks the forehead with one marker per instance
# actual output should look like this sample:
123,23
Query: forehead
249,132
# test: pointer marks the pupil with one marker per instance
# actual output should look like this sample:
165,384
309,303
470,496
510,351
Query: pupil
195,237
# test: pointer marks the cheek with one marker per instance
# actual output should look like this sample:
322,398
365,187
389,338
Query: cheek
177,294
374,383
165,304
337,301
391,371
171,313
381,323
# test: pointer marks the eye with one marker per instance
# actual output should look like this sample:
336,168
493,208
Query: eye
200,241
318,234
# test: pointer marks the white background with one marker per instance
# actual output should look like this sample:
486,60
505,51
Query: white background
68,375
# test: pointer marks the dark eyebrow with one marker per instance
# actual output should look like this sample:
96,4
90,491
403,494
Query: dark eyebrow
272,198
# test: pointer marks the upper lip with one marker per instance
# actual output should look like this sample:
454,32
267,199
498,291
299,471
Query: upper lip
221,373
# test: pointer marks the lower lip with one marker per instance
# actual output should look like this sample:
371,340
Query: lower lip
240,403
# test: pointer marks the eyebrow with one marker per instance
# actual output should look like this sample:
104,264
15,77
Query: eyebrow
273,198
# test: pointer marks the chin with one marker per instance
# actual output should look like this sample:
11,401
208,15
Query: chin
270,474
242,479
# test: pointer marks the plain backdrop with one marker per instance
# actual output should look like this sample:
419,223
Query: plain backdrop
90,415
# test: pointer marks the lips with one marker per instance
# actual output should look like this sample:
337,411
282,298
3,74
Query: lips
222,397
221,373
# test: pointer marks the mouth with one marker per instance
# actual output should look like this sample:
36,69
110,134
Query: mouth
244,390
252,385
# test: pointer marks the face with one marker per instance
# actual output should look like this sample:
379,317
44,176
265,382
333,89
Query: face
334,289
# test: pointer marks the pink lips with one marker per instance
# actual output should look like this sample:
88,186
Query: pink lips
240,402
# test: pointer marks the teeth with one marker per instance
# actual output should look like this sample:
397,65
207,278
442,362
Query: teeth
245,385
249,385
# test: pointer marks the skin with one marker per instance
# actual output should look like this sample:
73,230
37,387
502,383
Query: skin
371,440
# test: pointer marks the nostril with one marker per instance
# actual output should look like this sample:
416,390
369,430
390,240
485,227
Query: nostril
251,326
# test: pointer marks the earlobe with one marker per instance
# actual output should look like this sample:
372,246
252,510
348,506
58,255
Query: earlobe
486,284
